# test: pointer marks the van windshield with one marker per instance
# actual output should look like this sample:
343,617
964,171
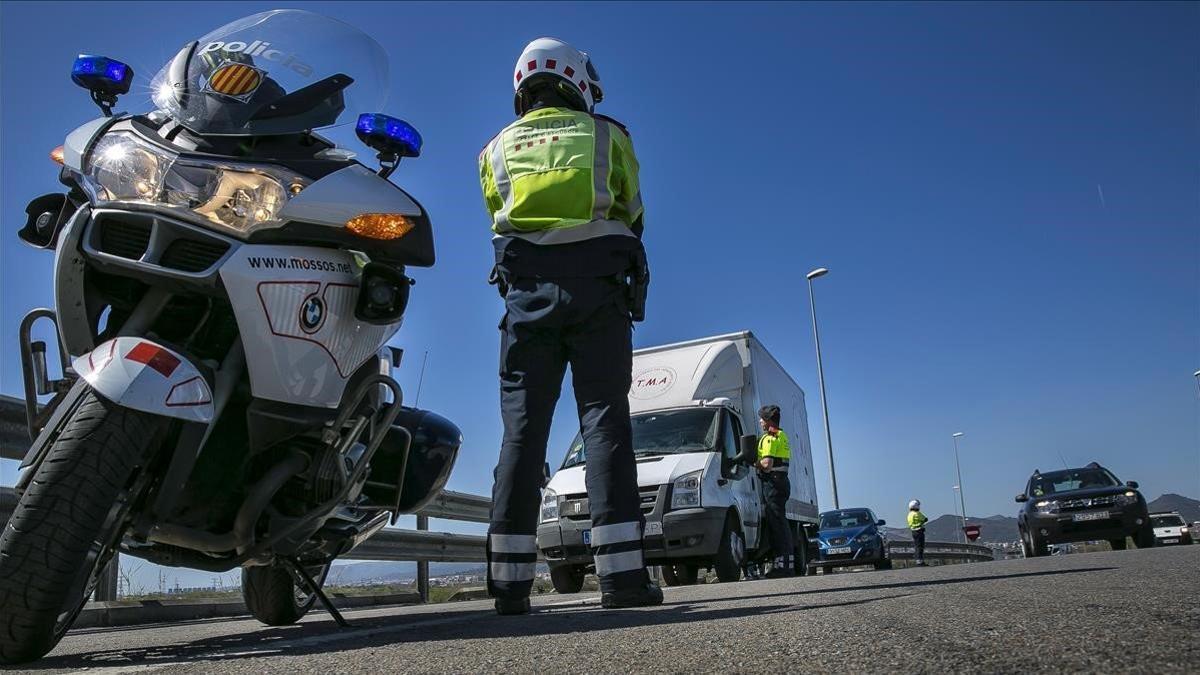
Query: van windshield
670,432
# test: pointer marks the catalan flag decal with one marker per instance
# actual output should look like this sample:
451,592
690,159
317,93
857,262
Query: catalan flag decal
235,79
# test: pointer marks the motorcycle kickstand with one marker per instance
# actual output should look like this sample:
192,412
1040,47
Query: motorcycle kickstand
312,584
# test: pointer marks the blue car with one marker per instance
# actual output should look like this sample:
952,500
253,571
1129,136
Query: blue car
850,537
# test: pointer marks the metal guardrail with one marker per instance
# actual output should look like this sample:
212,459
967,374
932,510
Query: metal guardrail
941,550
393,544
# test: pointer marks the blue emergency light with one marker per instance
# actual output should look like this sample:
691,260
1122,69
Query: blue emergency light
102,75
388,135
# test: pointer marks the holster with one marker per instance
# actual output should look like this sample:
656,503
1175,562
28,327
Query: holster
496,278
638,285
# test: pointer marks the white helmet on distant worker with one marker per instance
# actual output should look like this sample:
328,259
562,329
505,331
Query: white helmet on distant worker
914,505
550,57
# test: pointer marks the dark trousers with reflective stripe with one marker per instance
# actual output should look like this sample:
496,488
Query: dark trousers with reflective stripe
549,324
776,489
919,544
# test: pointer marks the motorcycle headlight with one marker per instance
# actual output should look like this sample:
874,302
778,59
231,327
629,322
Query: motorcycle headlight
233,196
549,506
685,491
122,168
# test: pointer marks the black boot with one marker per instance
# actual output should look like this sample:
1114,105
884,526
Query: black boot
512,606
644,596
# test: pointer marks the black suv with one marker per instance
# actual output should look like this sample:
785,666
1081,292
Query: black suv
1081,505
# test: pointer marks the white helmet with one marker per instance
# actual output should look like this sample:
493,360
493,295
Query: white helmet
914,505
552,57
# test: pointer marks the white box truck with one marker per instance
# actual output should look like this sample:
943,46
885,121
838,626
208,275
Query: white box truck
691,403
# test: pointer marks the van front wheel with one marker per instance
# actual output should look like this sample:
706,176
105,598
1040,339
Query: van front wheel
731,554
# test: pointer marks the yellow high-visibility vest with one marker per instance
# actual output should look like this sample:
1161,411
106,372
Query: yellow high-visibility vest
916,520
559,175
774,446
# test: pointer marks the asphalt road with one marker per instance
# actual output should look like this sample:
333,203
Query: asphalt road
1118,611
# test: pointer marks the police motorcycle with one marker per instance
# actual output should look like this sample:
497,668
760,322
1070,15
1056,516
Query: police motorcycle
225,283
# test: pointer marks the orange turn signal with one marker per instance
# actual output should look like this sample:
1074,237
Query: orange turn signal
380,225
57,155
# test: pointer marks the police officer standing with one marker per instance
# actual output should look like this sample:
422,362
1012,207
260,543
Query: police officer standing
773,458
561,185
916,525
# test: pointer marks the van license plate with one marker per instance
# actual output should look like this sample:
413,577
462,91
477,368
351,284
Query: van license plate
587,537
841,550
1084,517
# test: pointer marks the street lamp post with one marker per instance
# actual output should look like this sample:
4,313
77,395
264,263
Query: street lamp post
812,303
956,490
958,469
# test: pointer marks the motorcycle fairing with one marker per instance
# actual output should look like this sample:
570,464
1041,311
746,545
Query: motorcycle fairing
295,312
80,141
142,375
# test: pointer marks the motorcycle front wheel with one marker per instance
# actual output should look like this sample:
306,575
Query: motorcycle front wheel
69,522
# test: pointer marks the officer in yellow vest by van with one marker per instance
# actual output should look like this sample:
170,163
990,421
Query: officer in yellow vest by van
561,185
773,458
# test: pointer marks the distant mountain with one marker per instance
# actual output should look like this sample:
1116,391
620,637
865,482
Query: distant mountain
1185,506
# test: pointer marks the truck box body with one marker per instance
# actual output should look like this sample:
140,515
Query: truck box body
689,402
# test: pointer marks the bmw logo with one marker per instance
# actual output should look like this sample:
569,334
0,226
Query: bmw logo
312,314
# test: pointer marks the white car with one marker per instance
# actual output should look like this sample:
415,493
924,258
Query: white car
1170,529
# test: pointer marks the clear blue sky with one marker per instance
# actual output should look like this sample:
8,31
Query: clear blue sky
1006,195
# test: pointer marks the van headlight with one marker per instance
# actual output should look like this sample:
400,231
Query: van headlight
549,505
233,196
685,491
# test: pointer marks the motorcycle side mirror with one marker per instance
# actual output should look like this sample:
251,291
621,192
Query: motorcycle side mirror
44,218
748,445
1021,498
1133,484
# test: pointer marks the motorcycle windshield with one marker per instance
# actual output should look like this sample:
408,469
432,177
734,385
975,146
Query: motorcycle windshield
278,72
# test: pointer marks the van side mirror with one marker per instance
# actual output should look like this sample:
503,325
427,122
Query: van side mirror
546,474
1132,483
748,445
1021,498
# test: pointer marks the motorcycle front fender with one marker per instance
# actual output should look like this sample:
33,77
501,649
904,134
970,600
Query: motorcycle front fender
140,374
